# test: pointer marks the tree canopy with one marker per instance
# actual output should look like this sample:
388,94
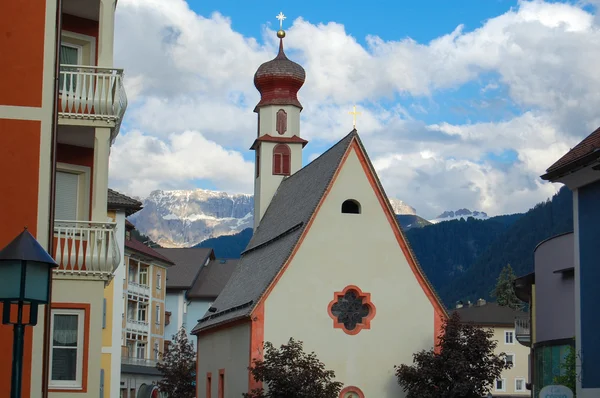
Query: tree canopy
289,372
178,368
504,292
464,365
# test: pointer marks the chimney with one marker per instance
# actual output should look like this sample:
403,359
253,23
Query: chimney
481,302
459,304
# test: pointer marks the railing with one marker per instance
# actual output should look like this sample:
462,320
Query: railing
140,290
136,326
138,361
523,330
92,92
86,247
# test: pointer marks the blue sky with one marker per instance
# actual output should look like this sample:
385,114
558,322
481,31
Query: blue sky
464,103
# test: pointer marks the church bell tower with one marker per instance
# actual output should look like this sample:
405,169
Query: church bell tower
278,145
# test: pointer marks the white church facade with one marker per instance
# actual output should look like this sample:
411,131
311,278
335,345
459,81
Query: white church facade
327,265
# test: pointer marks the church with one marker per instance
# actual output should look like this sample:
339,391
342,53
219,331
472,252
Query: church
328,263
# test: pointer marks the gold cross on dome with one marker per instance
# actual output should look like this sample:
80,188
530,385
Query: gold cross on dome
354,114
281,17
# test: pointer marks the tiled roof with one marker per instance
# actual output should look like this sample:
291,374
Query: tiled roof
590,146
292,206
213,278
270,138
118,201
139,247
489,314
188,263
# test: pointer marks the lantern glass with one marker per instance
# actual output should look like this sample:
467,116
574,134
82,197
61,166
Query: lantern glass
10,280
36,282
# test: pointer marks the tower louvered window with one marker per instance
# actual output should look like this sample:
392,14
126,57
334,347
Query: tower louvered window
281,160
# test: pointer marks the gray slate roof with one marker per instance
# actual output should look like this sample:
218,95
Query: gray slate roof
188,263
213,278
489,314
282,225
118,201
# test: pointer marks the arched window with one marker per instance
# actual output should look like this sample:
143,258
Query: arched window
281,122
351,392
351,206
281,160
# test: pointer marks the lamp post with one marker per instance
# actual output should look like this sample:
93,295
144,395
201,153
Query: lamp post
25,275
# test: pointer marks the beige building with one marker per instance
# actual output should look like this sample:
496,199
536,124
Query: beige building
143,324
513,382
315,269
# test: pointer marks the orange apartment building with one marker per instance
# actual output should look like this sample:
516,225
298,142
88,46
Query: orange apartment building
61,105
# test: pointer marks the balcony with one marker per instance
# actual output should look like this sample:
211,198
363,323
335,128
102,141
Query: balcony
130,360
523,330
135,289
91,93
135,326
86,248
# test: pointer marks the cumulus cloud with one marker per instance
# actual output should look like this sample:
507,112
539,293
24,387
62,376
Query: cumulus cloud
190,85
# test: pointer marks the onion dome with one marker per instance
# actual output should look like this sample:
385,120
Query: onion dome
279,80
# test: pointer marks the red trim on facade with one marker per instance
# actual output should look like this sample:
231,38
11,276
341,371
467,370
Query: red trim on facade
221,383
366,299
279,140
353,389
208,384
257,338
86,343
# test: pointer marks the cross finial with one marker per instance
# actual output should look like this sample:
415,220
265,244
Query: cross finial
354,113
281,17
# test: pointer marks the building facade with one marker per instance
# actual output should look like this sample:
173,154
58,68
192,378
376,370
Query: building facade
143,322
513,382
579,170
55,141
550,293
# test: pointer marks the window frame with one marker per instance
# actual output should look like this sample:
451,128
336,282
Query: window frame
524,384
512,334
142,271
157,314
503,385
83,188
83,327
143,307
351,202
513,357
280,161
158,280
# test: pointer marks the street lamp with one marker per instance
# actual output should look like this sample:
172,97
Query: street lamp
25,275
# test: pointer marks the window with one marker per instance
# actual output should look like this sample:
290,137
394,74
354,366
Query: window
281,160
221,383
67,196
510,358
281,123
142,313
141,351
132,274
167,317
520,384
509,337
351,392
257,164
70,54
66,354
351,206
143,276
156,351
208,385
157,317
500,385
351,310
158,280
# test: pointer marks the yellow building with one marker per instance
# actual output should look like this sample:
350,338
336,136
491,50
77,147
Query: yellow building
143,321
513,382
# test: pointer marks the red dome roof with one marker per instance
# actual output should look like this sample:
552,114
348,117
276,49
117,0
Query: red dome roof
279,80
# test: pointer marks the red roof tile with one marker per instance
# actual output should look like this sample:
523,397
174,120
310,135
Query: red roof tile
279,140
142,248
590,144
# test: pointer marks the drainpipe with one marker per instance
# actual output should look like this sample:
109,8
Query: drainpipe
53,133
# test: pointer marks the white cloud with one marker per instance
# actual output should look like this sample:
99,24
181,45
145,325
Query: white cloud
186,74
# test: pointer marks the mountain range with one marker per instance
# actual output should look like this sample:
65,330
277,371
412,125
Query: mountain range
463,257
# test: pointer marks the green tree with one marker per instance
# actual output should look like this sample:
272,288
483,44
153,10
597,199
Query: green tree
177,367
504,292
289,372
568,376
464,365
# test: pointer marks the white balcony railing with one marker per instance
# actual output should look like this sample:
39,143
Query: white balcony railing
523,330
138,361
133,325
92,92
137,289
86,248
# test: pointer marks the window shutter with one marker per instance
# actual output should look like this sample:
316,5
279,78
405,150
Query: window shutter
286,164
67,193
104,314
277,163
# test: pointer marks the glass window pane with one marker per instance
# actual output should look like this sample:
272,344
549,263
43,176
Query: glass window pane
65,330
64,364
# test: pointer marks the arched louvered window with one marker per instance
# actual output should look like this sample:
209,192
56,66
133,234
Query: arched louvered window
281,160
351,206
281,122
